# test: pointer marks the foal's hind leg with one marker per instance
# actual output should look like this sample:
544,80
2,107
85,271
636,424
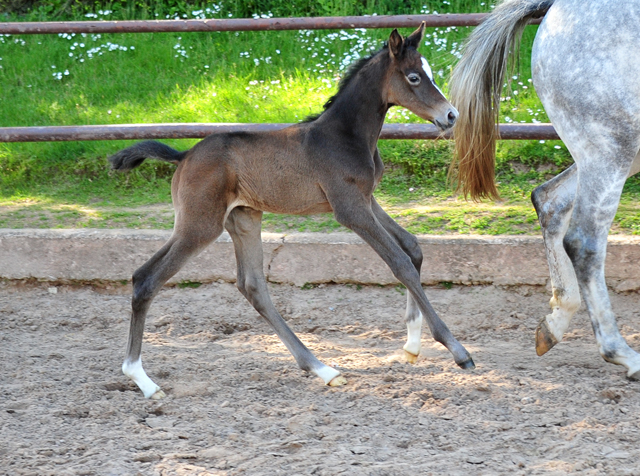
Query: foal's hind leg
409,244
147,281
553,202
198,223
243,225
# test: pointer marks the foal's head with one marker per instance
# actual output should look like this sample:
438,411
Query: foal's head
411,84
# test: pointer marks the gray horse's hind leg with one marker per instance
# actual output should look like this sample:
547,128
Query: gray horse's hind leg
598,192
243,224
553,202
354,211
409,244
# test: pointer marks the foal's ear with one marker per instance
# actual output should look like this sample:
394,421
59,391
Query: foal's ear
396,44
414,39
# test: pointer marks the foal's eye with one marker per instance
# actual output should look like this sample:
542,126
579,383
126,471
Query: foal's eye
413,78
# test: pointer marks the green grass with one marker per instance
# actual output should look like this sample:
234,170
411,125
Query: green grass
237,77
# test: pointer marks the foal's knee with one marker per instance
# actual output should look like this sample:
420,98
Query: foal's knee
405,271
412,248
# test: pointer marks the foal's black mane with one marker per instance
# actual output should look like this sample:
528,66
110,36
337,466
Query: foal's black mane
351,73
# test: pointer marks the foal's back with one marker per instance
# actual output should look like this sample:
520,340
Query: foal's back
279,171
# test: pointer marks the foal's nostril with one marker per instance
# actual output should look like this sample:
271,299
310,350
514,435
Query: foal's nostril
452,116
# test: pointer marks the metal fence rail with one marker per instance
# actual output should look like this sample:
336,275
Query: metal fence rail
243,24
197,131
185,130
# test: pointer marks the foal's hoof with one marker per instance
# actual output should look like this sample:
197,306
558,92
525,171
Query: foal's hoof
410,358
545,340
467,364
337,381
159,395
634,376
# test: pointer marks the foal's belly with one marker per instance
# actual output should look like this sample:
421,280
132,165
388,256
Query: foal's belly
274,197
288,208
317,208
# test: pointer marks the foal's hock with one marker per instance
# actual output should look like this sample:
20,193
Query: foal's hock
329,163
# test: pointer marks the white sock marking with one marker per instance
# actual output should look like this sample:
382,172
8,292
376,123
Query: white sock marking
326,373
414,333
138,375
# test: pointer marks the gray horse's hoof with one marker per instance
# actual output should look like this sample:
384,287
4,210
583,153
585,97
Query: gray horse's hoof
467,364
545,340
634,376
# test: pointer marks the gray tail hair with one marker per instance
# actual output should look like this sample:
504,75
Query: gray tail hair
475,88
133,156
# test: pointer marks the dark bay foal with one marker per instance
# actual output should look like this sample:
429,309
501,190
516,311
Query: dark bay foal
328,164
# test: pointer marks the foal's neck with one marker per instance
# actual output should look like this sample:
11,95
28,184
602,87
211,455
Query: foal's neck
361,107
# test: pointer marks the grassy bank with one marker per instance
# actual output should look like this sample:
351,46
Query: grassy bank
234,77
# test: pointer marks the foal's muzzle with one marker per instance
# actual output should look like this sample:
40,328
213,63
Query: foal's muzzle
448,120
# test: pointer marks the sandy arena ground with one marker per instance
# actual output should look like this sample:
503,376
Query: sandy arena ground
238,405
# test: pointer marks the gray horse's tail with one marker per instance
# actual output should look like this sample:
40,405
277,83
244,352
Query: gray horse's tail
133,156
475,89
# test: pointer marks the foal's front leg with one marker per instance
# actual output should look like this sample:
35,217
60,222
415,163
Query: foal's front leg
410,245
243,224
354,211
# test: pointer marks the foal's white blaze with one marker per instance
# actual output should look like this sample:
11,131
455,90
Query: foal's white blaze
135,372
427,70
414,332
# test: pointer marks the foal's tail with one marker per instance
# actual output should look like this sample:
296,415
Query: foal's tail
133,156
475,91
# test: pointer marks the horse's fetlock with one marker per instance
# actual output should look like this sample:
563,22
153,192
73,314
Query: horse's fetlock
609,355
567,300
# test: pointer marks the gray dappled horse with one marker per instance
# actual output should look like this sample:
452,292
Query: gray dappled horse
329,163
586,71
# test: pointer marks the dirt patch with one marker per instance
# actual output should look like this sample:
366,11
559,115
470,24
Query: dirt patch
238,405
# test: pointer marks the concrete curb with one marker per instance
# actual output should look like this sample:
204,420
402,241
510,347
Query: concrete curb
113,255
